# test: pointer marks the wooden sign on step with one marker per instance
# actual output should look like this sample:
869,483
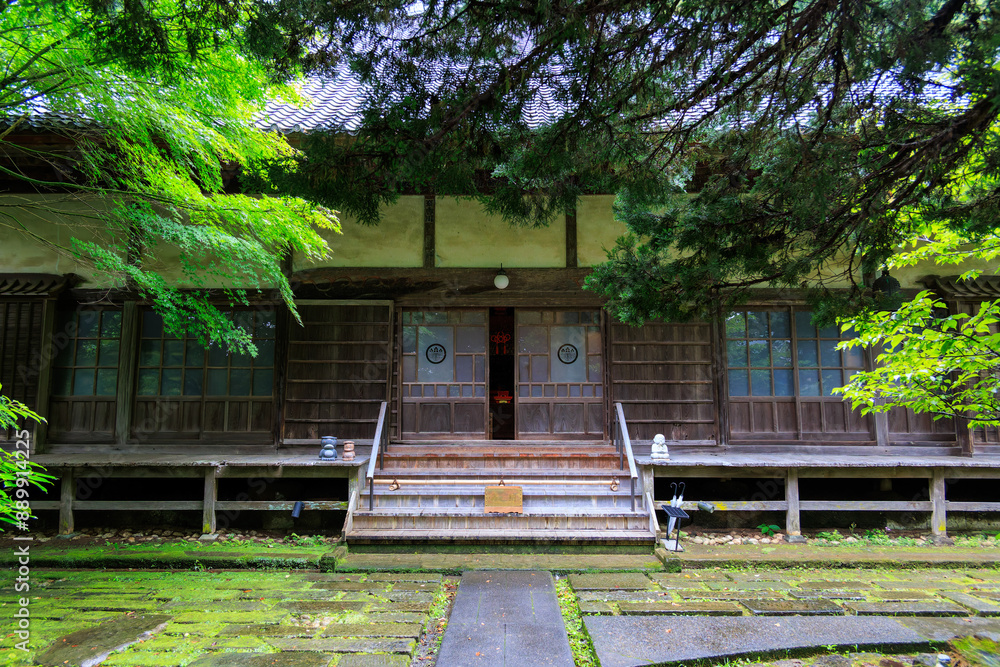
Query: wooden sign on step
504,500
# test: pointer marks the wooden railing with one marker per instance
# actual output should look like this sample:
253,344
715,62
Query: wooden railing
623,445
378,450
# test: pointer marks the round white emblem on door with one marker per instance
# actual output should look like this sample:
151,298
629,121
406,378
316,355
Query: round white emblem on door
568,353
436,353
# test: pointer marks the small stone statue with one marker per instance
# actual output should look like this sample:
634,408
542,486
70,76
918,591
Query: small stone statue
328,453
660,447
348,450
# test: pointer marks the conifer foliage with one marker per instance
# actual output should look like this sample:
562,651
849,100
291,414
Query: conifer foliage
751,144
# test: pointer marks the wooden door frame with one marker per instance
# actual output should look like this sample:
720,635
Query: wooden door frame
397,386
605,388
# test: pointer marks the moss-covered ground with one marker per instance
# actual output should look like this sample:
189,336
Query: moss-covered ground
221,612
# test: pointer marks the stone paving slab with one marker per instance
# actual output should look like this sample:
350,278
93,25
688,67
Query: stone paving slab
980,607
943,629
679,608
922,584
819,607
830,595
425,577
297,659
984,593
395,617
214,605
689,576
88,645
317,607
780,555
373,661
264,617
411,607
506,619
749,586
625,581
458,563
372,630
337,645
629,595
901,596
721,595
906,609
595,607
268,631
755,576
352,585
627,641
834,585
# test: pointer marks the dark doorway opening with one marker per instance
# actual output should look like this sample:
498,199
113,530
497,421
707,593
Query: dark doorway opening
501,355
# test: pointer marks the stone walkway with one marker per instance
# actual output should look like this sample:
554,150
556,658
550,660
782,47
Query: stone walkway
215,619
623,641
506,619
639,618
301,618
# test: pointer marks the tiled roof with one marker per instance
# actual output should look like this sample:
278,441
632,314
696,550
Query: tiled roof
336,103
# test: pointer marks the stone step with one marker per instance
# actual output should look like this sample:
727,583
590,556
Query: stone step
508,473
583,446
391,521
506,462
501,536
463,511
566,495
478,501
443,488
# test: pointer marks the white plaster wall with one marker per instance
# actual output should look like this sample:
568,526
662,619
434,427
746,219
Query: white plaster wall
35,233
596,229
397,241
465,236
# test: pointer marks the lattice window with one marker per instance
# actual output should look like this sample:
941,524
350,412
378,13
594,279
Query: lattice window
781,372
87,365
782,353
187,391
180,366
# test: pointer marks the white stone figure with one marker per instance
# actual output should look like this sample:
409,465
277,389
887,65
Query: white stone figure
660,447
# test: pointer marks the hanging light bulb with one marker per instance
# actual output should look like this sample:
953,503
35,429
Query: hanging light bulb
500,280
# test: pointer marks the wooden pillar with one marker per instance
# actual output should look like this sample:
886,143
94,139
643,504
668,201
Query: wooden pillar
793,519
571,254
939,512
67,493
720,385
127,348
647,480
963,435
208,525
430,251
47,354
882,429
283,322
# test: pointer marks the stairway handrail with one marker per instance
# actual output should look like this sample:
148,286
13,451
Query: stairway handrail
377,449
625,450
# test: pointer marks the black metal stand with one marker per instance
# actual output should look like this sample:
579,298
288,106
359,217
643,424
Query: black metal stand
676,513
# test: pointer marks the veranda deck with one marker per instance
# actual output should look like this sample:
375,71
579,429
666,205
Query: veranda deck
787,468
791,467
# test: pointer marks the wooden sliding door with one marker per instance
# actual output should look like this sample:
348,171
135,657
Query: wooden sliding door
444,374
560,389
